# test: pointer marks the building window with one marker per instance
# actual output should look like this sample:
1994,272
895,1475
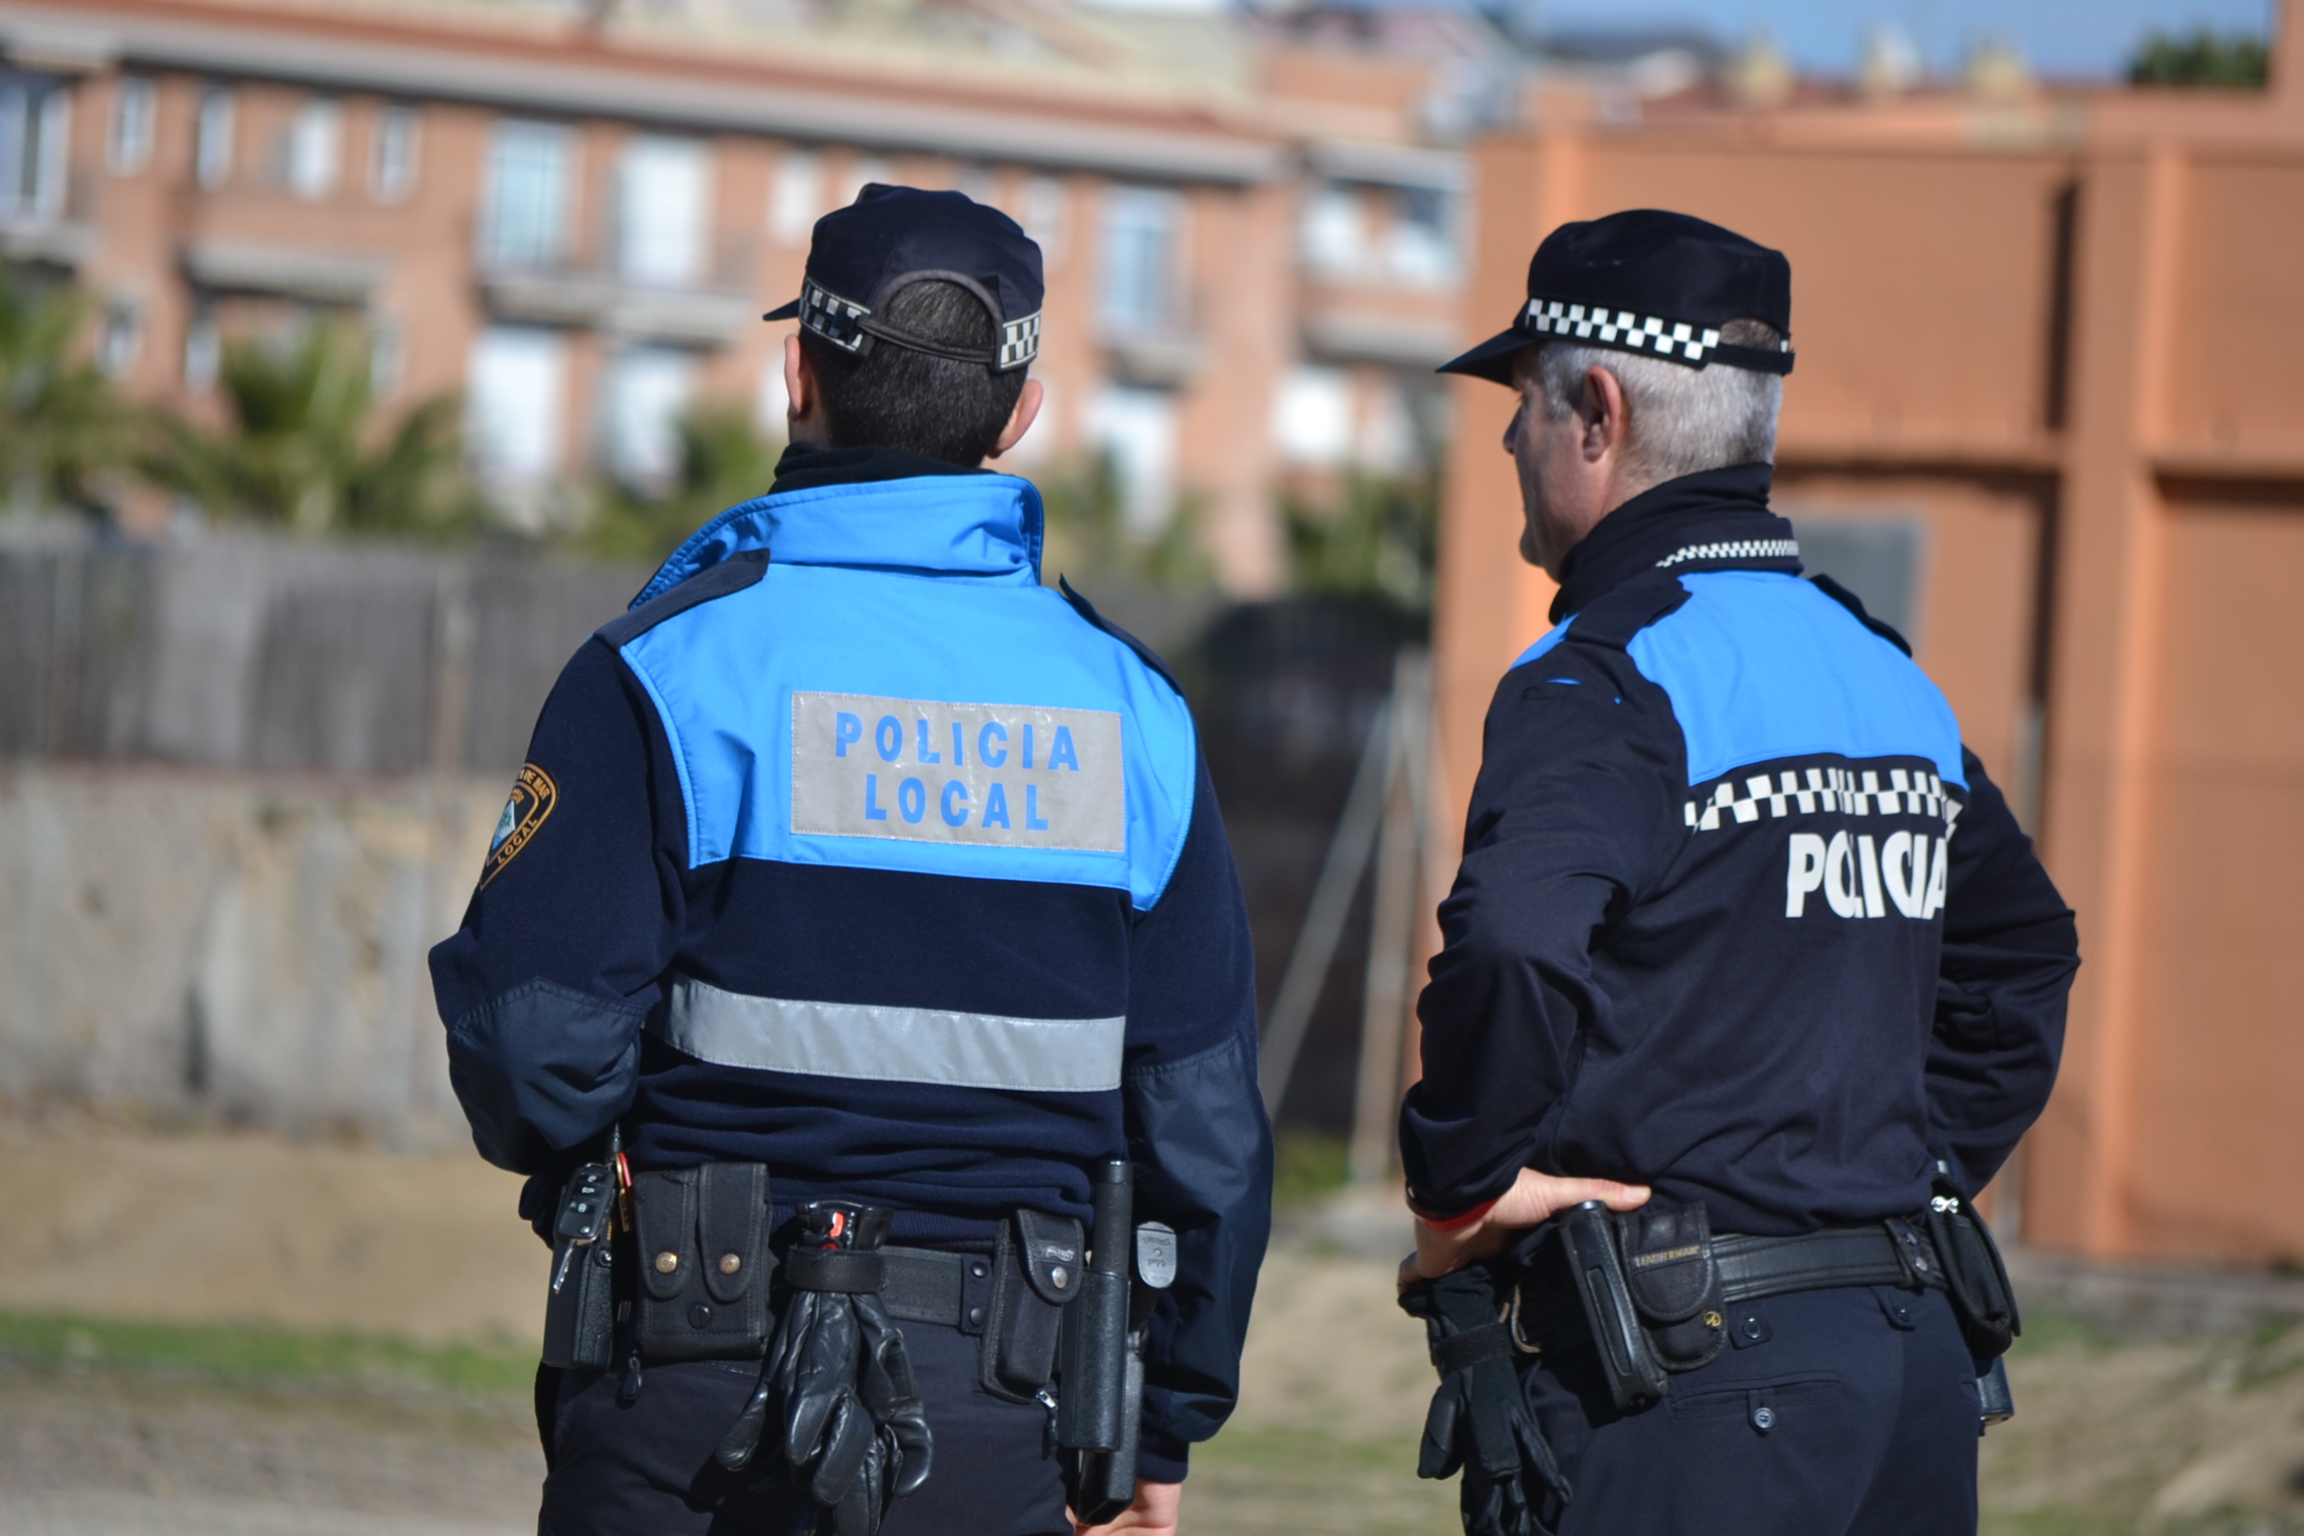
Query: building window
392,155
796,199
530,176
120,338
648,392
135,103
517,393
212,136
315,148
203,350
35,127
1420,246
1332,232
1135,430
1042,209
1312,416
1143,229
1879,559
663,210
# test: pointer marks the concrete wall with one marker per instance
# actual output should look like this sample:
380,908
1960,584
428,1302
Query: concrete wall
252,947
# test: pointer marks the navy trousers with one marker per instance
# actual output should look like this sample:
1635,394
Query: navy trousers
647,1469
1849,1412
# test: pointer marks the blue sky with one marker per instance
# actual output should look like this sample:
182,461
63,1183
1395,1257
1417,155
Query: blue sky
2060,37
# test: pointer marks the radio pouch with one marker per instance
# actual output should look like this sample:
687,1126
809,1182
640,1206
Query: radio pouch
1675,1283
1974,1277
580,1308
703,1259
1036,1268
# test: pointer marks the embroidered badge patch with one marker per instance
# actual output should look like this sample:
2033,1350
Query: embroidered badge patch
533,796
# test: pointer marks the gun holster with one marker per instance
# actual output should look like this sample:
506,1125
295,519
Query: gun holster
702,1253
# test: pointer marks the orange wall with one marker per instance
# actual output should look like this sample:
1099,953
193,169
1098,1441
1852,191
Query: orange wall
2121,569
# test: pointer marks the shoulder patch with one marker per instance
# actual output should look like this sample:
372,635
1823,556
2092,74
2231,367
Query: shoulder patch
533,796
734,574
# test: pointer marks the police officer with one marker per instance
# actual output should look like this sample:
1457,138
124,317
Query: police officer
1749,978
860,901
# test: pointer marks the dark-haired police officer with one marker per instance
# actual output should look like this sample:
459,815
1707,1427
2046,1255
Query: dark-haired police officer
1749,978
857,876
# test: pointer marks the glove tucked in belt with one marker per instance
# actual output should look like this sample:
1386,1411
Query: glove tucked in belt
855,1429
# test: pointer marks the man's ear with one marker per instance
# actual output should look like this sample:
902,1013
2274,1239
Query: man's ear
1606,414
1020,420
803,399
799,380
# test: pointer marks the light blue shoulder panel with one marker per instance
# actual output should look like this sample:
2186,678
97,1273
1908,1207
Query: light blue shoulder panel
874,719
1761,665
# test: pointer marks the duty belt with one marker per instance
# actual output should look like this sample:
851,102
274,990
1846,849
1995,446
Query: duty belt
1892,1252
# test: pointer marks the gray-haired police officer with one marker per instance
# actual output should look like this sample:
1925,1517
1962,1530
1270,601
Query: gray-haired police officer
1750,980
863,906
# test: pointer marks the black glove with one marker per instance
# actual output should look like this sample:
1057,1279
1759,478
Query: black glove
855,1428
1479,1423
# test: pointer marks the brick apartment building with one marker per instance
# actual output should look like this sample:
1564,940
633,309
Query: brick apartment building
575,213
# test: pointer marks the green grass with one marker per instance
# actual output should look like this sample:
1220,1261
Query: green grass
1308,1164
249,1355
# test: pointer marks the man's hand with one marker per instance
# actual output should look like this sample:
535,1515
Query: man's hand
1153,1513
1534,1198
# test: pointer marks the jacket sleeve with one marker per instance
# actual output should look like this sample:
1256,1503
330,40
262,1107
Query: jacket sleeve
2010,951
1575,813
564,945
1198,1135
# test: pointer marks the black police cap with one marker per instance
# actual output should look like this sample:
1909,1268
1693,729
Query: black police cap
1647,281
862,255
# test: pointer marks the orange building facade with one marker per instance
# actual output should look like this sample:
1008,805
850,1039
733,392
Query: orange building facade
575,213
2048,361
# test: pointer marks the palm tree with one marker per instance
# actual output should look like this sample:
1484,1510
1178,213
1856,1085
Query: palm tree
302,451
63,429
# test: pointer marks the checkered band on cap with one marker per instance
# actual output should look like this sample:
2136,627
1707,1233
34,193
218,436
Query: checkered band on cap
838,320
1675,339
1019,342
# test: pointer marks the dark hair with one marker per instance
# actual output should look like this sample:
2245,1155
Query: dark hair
894,397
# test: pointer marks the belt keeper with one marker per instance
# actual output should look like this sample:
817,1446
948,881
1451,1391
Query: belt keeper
843,1272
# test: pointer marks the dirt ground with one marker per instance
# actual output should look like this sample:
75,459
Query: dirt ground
2194,1436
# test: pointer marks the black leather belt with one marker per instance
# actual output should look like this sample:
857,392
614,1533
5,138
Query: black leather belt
1892,1252
1884,1253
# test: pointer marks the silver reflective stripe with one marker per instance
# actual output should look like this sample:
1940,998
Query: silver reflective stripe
893,1045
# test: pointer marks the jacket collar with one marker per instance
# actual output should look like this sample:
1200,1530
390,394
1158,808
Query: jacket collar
872,509
1714,520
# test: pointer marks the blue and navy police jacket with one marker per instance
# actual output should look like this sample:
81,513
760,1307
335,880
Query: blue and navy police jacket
1738,915
853,850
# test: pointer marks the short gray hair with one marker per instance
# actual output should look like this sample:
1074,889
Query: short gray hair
1682,419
